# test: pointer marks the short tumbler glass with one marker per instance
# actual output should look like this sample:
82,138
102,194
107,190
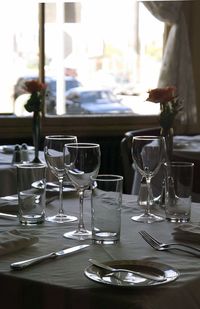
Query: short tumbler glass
179,181
31,184
106,204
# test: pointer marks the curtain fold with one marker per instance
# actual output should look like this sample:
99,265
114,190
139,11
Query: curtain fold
176,66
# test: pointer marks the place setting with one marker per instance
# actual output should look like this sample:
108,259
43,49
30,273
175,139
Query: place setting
106,203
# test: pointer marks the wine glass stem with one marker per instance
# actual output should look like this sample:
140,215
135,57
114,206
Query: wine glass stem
147,209
61,211
81,198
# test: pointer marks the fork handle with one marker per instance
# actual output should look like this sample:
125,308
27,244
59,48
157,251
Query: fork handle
186,246
175,247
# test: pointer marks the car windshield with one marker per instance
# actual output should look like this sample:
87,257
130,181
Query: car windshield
89,96
93,96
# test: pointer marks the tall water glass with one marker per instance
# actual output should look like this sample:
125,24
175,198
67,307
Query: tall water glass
178,197
106,202
53,151
31,186
82,161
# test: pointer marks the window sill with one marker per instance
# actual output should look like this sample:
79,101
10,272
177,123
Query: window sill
87,125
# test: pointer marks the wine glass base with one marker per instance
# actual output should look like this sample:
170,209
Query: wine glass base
61,218
150,218
78,235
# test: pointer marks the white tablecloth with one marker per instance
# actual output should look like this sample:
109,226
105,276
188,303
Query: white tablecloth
61,283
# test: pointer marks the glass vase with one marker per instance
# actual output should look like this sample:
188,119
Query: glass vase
36,126
168,134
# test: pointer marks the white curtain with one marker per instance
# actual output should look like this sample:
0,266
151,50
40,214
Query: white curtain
176,67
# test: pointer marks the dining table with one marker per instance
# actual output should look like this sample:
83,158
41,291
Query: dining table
62,282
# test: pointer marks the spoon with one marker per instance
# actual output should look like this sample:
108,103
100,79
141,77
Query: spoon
120,270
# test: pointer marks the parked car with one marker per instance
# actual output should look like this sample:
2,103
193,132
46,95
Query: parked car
50,100
81,100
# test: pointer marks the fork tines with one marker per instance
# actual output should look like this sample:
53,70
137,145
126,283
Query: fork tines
149,239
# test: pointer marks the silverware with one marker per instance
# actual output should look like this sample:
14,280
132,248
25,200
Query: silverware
7,216
156,244
120,270
23,264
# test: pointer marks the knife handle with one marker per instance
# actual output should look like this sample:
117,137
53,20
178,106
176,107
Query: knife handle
23,264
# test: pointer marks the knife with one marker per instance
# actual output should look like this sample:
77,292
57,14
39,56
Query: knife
116,271
8,216
23,264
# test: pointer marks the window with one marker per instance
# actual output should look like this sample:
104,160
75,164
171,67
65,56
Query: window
90,44
19,49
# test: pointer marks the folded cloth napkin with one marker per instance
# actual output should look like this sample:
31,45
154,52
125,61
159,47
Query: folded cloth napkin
187,232
15,240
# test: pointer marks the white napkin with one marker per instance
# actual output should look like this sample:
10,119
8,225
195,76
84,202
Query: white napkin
187,232
15,240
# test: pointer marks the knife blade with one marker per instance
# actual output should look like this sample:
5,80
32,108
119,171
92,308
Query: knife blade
23,264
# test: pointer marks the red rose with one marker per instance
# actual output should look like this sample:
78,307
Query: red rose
34,86
161,95
37,91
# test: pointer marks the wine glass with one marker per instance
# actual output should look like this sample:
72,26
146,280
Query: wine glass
148,155
53,151
81,160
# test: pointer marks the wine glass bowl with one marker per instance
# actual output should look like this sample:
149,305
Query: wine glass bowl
81,161
148,154
53,151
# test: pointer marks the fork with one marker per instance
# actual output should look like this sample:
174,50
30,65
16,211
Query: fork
156,244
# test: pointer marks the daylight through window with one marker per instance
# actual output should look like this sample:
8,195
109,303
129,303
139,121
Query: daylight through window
100,57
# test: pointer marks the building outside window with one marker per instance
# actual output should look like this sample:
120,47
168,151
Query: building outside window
111,50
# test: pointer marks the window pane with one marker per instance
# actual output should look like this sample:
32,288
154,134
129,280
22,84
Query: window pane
101,45
19,51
